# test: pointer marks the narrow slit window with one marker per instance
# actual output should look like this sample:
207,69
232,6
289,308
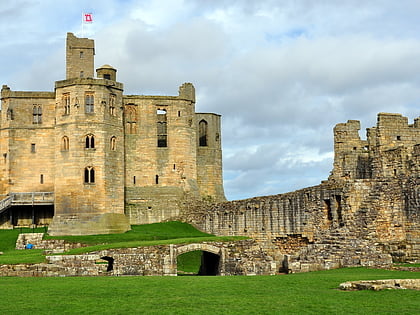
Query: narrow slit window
65,143
328,208
157,179
10,115
339,209
41,179
113,143
162,131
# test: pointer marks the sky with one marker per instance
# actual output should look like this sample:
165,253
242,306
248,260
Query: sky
282,73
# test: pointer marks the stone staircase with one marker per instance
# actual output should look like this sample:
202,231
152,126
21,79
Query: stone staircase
6,203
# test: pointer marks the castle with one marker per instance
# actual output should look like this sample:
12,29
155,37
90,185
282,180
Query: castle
87,159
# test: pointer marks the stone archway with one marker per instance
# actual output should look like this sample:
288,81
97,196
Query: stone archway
210,264
212,259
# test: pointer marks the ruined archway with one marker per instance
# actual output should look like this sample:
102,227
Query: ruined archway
210,264
211,258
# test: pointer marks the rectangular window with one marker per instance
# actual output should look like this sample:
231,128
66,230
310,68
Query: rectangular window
37,114
162,129
66,103
130,113
41,179
112,104
89,103
33,149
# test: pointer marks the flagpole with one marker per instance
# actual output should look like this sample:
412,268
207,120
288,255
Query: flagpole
83,33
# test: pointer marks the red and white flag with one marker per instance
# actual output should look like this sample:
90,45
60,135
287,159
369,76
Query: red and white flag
87,17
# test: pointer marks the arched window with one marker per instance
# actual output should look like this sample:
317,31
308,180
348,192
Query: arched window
90,141
202,132
113,143
65,143
89,175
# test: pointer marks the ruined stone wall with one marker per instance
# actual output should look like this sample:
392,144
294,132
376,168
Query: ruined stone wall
367,213
388,151
359,223
236,258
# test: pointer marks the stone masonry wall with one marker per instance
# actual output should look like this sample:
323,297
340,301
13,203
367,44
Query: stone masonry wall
236,258
366,214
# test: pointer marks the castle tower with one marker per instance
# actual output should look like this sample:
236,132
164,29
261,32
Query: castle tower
89,158
107,72
80,54
209,156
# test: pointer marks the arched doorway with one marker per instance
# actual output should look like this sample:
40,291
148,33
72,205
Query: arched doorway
210,264
199,260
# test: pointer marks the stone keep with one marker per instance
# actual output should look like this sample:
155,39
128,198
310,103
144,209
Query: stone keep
108,159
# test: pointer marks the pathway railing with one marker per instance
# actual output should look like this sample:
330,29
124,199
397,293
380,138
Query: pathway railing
26,198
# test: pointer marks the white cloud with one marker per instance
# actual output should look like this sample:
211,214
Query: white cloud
282,73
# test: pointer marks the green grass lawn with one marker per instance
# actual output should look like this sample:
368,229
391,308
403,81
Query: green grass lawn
189,262
145,232
306,293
